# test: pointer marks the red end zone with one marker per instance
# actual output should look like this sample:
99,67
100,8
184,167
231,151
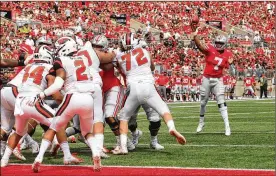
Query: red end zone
24,170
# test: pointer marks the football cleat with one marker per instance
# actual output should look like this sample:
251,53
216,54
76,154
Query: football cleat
36,166
35,147
97,166
200,127
17,153
136,137
72,160
180,139
104,155
4,162
227,131
120,151
130,145
105,150
72,139
156,146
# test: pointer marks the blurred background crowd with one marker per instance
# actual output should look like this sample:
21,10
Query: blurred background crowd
250,27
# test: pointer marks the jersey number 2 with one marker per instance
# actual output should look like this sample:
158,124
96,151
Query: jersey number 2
79,63
36,74
140,59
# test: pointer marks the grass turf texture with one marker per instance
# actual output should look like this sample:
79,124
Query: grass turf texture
250,146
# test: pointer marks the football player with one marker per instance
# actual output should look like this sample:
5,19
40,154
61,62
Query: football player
79,72
137,65
217,58
35,78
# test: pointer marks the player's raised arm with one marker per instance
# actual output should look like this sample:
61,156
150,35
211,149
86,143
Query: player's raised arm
22,61
201,46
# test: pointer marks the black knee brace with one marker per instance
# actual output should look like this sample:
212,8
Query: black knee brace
44,127
222,105
113,123
154,127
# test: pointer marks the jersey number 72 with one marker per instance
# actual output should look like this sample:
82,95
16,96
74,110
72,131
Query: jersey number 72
140,59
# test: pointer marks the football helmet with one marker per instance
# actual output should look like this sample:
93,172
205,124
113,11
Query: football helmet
43,53
65,46
100,41
128,41
220,42
43,41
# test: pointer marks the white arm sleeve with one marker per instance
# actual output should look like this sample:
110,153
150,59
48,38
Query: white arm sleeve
56,86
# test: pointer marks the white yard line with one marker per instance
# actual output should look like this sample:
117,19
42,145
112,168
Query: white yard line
206,145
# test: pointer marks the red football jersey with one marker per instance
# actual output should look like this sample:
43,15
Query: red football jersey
186,80
216,62
193,81
177,80
248,81
109,80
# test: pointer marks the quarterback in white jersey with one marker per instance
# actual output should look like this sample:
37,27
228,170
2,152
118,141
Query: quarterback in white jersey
73,70
137,66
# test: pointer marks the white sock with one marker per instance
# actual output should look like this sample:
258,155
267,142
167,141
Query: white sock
153,138
65,148
93,146
201,119
123,140
7,153
43,147
100,140
170,125
224,114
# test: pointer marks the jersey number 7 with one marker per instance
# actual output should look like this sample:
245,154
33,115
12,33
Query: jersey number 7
140,59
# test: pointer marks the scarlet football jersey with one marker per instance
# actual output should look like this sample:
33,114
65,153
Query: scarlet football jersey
216,62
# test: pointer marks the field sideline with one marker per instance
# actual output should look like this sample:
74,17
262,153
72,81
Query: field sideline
251,145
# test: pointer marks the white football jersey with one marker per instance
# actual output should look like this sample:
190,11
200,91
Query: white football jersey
34,78
90,54
17,80
135,64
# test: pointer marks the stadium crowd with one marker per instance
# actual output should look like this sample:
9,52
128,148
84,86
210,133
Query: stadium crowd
36,19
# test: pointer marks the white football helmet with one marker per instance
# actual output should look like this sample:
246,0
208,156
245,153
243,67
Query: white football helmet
100,41
43,53
65,45
128,41
220,42
43,41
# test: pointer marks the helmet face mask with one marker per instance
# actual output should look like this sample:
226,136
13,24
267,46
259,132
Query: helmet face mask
65,46
44,53
127,41
220,42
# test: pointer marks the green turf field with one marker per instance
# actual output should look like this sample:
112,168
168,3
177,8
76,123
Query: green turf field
251,145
